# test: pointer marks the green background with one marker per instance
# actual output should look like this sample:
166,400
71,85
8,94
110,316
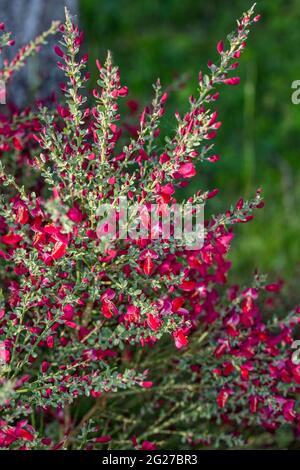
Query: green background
259,141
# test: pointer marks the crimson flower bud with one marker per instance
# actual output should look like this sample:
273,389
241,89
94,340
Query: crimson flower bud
220,47
58,51
232,81
148,266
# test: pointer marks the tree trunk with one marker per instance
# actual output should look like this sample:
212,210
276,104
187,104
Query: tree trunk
26,19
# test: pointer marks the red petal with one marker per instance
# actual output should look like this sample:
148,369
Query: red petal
59,250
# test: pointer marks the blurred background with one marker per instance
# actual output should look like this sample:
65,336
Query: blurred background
259,142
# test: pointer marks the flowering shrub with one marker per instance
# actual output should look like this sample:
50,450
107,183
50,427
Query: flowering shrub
127,343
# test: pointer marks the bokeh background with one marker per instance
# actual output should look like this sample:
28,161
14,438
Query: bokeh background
259,142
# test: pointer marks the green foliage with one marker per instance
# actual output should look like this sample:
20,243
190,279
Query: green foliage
260,138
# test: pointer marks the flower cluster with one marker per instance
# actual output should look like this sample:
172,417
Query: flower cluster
113,341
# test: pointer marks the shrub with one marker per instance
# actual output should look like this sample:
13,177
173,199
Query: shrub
124,342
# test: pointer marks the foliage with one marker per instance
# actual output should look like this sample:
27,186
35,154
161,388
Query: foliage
121,342
258,145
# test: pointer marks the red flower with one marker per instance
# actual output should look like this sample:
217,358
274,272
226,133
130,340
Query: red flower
220,47
22,214
45,366
187,170
188,286
275,287
109,294
223,398
212,194
11,239
108,308
17,144
177,304
25,435
232,81
147,384
180,339
153,322
123,91
63,112
221,349
50,342
133,314
59,250
103,439
58,51
147,445
148,266
288,411
167,191
75,214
